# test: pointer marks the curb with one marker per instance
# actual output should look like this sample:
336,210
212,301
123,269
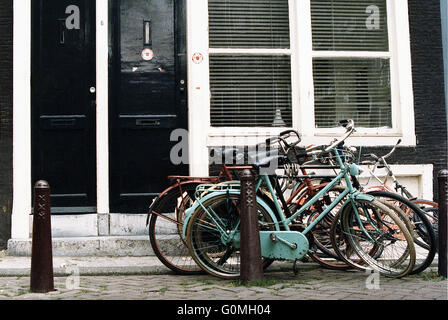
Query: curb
158,269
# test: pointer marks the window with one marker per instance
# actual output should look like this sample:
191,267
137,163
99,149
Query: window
275,64
349,25
347,87
357,89
250,79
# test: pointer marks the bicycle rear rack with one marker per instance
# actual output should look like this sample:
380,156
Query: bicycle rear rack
204,189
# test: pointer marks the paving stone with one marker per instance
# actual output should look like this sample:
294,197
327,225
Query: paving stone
311,285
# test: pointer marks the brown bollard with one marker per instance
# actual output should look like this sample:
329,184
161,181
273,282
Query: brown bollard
41,253
443,226
250,250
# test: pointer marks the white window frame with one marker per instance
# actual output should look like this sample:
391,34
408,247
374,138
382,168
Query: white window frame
202,134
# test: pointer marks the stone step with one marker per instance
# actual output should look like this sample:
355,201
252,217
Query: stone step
102,246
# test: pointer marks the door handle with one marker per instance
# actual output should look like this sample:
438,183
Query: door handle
92,89
61,23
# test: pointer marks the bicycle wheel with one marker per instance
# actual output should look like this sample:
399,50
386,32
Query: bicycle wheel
431,210
376,225
321,231
343,249
423,233
209,247
321,249
165,230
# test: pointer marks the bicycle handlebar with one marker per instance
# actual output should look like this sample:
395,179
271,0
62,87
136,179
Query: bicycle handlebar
281,138
392,151
321,149
378,159
350,126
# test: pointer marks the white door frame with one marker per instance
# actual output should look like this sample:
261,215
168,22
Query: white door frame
22,188
102,105
21,206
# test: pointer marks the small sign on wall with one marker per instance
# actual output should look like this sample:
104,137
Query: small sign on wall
198,58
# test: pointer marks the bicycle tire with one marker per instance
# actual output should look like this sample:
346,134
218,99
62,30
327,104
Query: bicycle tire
165,239
345,253
431,210
389,230
204,239
424,234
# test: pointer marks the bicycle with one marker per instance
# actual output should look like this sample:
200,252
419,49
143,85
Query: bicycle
424,236
211,230
419,225
430,207
166,214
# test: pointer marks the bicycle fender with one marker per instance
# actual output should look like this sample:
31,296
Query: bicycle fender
364,196
153,203
358,196
159,198
189,212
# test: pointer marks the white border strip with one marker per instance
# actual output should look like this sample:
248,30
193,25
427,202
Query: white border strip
21,206
250,51
198,86
102,106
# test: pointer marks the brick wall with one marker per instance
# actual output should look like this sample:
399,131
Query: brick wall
5,120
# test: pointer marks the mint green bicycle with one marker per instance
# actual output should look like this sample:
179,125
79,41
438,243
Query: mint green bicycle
212,225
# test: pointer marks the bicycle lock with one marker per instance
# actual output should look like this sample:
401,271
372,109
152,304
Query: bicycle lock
443,226
42,280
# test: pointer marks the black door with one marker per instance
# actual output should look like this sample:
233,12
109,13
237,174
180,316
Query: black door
148,98
63,102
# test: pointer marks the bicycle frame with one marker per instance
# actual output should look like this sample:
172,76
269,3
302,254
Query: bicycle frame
354,194
179,181
397,186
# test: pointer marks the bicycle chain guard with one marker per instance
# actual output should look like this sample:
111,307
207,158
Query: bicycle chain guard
287,245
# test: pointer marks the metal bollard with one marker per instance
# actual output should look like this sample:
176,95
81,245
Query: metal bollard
41,253
250,250
443,203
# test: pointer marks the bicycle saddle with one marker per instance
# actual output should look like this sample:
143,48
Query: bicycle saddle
257,155
267,162
227,154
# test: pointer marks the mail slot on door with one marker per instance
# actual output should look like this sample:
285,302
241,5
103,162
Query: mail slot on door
139,122
74,122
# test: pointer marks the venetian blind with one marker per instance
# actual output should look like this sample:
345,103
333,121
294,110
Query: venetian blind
248,23
347,87
358,89
249,89
349,25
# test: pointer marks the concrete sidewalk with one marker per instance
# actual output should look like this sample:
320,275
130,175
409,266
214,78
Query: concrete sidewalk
96,266
145,278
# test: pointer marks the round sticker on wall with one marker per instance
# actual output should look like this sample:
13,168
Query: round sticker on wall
198,58
147,54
